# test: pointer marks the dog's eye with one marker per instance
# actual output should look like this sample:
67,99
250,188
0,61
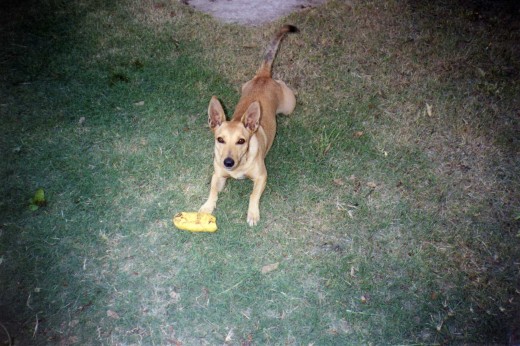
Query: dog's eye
241,141
220,140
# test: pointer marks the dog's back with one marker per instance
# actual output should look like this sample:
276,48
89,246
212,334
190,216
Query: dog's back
273,95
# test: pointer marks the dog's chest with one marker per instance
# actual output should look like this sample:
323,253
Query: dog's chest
238,175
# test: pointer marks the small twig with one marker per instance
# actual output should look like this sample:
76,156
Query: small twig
36,326
361,313
7,332
232,287
28,303
19,45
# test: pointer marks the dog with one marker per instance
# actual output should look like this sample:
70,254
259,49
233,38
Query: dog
242,143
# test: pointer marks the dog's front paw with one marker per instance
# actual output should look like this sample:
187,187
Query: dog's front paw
253,216
207,207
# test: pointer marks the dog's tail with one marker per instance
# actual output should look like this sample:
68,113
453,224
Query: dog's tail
270,53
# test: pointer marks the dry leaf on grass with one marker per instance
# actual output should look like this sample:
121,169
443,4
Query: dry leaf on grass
270,267
112,314
73,323
176,297
429,110
371,185
338,182
353,272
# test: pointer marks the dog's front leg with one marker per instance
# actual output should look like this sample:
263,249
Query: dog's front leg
253,213
217,185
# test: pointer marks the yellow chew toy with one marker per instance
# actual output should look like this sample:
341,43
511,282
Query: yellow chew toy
195,222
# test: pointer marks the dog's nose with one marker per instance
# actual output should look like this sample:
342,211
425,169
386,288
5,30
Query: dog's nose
229,162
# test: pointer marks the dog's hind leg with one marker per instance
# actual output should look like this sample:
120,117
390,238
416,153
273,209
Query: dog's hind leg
287,101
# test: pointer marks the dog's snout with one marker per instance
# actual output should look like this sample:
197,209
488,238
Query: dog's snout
229,162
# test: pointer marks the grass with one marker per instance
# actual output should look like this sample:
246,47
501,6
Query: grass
391,210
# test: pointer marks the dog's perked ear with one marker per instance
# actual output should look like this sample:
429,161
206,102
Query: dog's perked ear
251,118
216,115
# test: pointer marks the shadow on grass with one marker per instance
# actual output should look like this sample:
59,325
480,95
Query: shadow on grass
81,124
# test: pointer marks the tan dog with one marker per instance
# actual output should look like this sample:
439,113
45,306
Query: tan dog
242,143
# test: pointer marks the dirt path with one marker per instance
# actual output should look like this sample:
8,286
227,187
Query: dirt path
251,12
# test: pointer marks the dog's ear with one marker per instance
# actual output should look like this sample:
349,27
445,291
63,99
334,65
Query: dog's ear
216,115
251,118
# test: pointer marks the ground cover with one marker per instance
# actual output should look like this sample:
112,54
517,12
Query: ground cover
392,209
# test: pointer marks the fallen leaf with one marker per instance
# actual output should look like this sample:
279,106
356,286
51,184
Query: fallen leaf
429,110
112,314
327,149
73,323
38,200
140,103
358,134
357,186
39,197
176,297
270,267
371,185
248,341
338,182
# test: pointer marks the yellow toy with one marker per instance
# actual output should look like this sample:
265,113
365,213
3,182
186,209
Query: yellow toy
195,222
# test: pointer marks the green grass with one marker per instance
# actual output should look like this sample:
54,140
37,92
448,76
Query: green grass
391,222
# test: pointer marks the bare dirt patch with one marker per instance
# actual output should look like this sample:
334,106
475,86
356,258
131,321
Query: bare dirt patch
251,12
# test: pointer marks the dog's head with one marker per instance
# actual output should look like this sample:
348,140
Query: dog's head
232,137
